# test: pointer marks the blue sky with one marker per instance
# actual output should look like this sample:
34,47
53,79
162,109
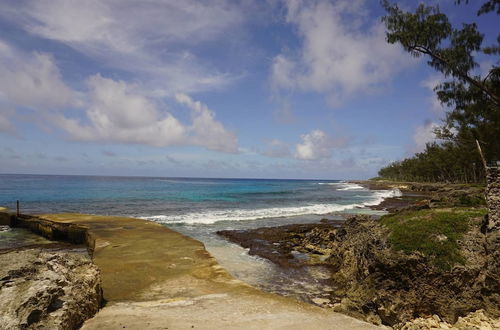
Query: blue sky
215,88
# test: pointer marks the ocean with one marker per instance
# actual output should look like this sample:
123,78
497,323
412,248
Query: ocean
198,207
184,200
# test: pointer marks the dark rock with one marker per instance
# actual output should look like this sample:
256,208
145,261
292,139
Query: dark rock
275,243
377,283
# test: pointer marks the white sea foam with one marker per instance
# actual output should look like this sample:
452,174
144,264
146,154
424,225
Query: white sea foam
379,196
344,185
210,217
352,186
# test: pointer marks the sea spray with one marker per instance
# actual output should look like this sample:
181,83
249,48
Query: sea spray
186,200
212,216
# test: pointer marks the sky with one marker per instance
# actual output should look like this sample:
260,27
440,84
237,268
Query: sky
212,88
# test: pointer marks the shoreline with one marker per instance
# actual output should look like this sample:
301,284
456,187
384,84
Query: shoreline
359,250
408,198
155,277
279,253
192,282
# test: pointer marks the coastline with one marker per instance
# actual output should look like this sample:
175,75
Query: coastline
154,277
375,282
282,237
409,197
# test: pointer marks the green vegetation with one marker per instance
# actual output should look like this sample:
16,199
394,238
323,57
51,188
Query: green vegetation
445,162
471,200
434,233
473,100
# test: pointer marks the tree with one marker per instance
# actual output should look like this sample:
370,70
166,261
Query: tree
474,101
429,32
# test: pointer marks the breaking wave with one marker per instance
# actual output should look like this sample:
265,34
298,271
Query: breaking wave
212,216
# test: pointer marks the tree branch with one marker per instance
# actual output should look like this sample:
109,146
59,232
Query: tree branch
464,76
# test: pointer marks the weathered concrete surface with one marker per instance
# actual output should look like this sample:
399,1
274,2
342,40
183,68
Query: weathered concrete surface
156,278
47,289
54,231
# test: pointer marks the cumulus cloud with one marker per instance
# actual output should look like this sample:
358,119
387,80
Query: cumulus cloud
107,110
342,52
423,135
32,80
146,37
118,112
205,129
317,145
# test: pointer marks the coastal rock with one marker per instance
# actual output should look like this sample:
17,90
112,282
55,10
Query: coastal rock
493,198
420,196
380,284
278,244
45,289
477,320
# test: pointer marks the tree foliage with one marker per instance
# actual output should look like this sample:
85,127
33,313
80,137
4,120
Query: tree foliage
446,162
473,100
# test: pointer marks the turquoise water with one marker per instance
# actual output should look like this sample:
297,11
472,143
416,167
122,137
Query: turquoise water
183,200
200,207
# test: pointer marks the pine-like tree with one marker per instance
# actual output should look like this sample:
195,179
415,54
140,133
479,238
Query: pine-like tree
473,100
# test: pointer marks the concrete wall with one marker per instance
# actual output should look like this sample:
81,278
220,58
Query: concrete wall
493,197
6,217
51,230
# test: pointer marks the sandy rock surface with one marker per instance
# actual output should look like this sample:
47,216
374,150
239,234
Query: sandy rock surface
47,289
474,321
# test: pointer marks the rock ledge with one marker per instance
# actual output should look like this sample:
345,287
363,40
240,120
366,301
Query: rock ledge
47,289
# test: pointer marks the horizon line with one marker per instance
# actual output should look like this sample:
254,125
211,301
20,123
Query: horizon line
172,177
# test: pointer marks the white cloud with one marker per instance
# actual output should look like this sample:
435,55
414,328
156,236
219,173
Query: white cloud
101,23
423,135
150,38
205,129
107,110
32,80
342,53
117,112
317,145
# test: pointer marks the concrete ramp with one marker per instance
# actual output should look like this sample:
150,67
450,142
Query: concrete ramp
156,278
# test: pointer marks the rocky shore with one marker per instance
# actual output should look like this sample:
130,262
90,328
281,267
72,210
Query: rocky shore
50,286
416,196
151,278
428,258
